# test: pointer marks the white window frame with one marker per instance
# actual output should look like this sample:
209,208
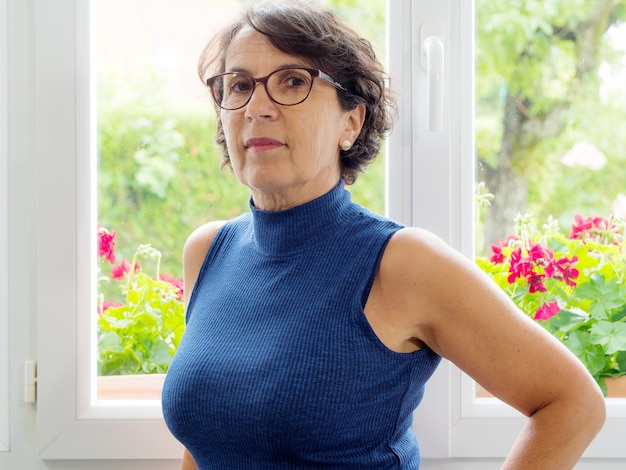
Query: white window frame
449,423
70,426
4,232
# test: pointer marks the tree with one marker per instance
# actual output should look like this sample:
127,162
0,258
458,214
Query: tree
537,80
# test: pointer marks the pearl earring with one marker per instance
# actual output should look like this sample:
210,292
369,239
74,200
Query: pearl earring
346,145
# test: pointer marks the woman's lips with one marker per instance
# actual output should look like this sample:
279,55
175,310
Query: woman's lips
260,144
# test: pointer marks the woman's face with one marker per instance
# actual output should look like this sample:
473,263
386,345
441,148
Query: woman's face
286,155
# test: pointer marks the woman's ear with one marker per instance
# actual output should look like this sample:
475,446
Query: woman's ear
356,118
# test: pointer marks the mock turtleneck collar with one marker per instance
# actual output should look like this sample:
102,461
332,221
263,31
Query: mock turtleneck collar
293,229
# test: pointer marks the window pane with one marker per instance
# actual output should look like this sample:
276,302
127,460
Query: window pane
550,146
159,173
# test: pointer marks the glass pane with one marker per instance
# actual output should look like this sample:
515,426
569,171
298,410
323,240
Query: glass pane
550,150
159,174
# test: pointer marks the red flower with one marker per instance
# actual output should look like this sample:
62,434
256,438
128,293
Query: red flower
177,283
121,270
106,244
498,256
535,283
594,228
565,266
547,311
540,253
520,266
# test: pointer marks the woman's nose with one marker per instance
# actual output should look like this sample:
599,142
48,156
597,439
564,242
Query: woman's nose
260,103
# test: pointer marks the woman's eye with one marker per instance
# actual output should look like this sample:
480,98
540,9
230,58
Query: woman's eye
296,81
240,86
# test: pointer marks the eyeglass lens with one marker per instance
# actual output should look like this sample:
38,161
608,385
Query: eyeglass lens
285,86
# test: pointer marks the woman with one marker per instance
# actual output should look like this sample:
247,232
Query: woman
312,324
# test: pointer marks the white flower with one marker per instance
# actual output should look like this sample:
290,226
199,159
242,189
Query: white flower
586,155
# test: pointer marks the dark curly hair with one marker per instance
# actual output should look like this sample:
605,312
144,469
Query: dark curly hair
315,33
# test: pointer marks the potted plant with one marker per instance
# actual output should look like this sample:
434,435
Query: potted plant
140,322
572,283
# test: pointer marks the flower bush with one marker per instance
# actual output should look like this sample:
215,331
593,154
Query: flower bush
140,318
572,284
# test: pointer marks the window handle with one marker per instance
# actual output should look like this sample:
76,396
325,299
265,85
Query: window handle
432,61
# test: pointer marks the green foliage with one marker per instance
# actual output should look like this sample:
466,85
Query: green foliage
367,18
543,59
159,178
140,334
574,286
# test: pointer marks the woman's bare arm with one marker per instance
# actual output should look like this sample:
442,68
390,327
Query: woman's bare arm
445,301
188,462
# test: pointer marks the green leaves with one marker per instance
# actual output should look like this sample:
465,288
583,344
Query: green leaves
611,336
601,348
591,355
141,335
604,297
158,155
583,290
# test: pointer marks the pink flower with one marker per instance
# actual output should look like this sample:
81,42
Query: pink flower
121,270
547,311
520,266
540,253
594,228
565,266
106,244
586,155
177,283
498,256
535,283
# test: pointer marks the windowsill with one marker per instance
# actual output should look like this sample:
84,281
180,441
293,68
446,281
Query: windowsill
130,387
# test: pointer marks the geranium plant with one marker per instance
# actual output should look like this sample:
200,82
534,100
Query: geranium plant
140,318
572,284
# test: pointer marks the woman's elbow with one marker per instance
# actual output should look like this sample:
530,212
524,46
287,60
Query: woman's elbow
590,408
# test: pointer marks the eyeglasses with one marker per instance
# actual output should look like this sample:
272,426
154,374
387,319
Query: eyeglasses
287,87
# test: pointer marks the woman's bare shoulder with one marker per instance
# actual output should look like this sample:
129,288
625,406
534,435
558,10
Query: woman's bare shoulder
412,247
194,252
201,239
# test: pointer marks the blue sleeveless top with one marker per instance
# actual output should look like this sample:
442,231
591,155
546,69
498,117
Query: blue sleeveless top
278,367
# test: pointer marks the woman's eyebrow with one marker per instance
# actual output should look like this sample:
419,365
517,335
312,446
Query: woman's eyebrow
292,65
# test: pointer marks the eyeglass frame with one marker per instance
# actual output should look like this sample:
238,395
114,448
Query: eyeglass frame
315,73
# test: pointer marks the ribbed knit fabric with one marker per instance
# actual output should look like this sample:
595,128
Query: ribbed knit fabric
278,367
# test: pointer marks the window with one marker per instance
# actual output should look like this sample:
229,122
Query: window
73,402
541,156
156,155
443,168
450,423
4,236
541,75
